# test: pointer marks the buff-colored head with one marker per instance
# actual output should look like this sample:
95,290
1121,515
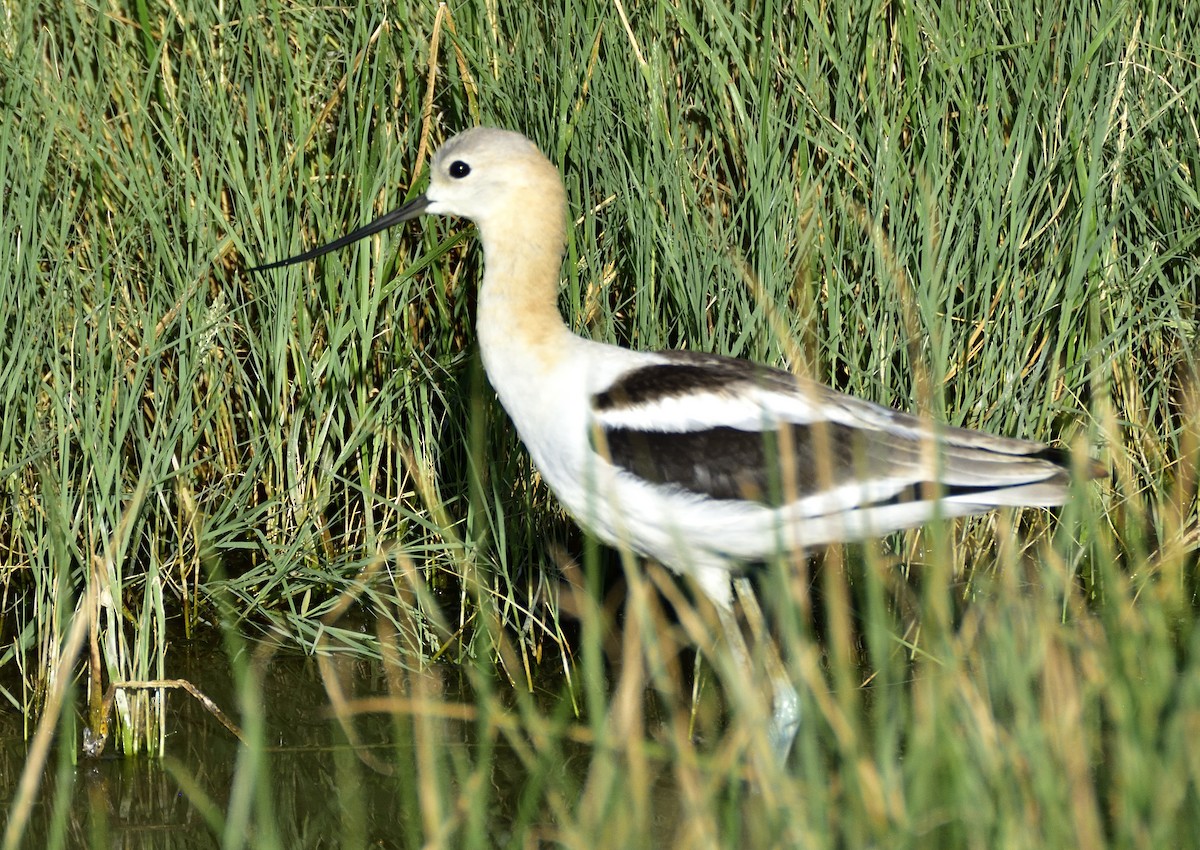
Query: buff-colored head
485,172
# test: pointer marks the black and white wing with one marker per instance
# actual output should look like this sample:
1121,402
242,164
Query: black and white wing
726,429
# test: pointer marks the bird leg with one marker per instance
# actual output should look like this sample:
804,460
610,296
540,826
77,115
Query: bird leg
785,707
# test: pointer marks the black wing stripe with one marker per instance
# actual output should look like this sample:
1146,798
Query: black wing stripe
668,380
733,464
730,463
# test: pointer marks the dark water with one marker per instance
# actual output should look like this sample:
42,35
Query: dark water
310,787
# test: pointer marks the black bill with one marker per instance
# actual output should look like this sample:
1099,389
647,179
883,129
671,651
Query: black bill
412,209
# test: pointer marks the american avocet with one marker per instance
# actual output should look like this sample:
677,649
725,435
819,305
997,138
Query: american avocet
701,462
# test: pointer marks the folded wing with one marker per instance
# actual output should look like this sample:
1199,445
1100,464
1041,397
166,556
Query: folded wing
728,429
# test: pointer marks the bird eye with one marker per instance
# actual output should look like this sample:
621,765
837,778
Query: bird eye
459,169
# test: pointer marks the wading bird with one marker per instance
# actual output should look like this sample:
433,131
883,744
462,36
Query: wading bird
703,463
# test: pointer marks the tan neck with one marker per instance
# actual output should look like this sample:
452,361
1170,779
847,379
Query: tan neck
518,301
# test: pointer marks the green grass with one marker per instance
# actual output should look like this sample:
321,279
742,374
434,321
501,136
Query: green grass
987,212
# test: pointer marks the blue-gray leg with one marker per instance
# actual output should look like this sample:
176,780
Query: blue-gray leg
785,701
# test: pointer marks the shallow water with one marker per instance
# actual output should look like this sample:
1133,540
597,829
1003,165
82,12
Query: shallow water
313,788
320,791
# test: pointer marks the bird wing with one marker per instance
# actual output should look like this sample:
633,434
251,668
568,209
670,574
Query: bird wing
730,429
